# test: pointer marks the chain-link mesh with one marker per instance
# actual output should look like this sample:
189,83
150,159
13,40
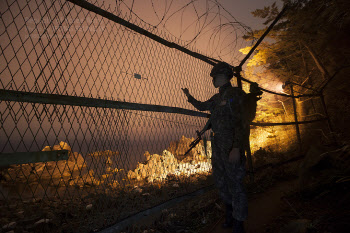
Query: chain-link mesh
59,48
117,164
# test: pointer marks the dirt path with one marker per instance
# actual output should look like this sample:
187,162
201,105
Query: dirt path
263,208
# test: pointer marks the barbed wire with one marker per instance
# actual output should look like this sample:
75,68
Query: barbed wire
198,21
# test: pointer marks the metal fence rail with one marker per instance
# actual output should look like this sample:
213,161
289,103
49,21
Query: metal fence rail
94,116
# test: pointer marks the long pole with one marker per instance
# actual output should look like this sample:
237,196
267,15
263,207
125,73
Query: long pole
239,81
239,84
330,127
249,156
296,118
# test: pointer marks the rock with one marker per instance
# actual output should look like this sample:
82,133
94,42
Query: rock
179,148
109,169
296,226
77,159
89,207
6,176
115,184
159,167
137,189
109,161
35,200
86,179
62,146
131,175
20,214
315,163
39,167
147,155
47,148
41,221
9,226
38,226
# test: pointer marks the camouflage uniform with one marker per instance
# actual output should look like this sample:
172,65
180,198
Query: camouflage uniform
229,130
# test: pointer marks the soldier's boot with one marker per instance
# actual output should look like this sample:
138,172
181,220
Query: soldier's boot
238,226
228,217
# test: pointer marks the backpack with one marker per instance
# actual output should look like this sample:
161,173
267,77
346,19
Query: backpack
250,102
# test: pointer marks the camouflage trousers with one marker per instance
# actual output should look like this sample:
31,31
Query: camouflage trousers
229,176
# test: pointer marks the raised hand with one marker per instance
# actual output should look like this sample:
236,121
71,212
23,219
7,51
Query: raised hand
186,91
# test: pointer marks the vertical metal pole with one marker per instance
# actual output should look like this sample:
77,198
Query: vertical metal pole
327,115
239,83
296,118
249,156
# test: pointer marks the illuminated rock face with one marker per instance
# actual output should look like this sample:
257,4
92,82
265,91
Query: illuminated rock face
158,167
75,160
105,159
155,168
179,148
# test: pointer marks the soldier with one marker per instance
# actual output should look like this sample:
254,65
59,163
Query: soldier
228,159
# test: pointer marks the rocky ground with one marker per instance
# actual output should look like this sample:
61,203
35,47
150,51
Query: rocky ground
71,196
309,195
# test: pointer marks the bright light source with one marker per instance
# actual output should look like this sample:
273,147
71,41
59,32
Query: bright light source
279,88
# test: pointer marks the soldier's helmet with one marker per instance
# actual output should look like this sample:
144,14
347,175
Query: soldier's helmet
222,68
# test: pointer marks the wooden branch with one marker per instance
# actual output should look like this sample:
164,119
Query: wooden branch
317,61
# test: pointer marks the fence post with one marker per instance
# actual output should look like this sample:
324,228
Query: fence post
296,118
247,142
330,127
249,156
239,83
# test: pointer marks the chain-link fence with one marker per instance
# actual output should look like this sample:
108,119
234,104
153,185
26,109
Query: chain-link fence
274,138
91,124
58,49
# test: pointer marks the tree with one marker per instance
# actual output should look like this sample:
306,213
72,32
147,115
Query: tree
309,41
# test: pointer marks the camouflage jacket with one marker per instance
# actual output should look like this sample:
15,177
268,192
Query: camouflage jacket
226,108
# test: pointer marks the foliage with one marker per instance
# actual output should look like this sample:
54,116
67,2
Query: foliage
318,26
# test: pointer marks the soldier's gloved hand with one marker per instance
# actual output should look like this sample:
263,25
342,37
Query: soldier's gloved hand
234,155
185,90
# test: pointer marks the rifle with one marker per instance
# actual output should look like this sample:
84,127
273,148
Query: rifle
199,137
